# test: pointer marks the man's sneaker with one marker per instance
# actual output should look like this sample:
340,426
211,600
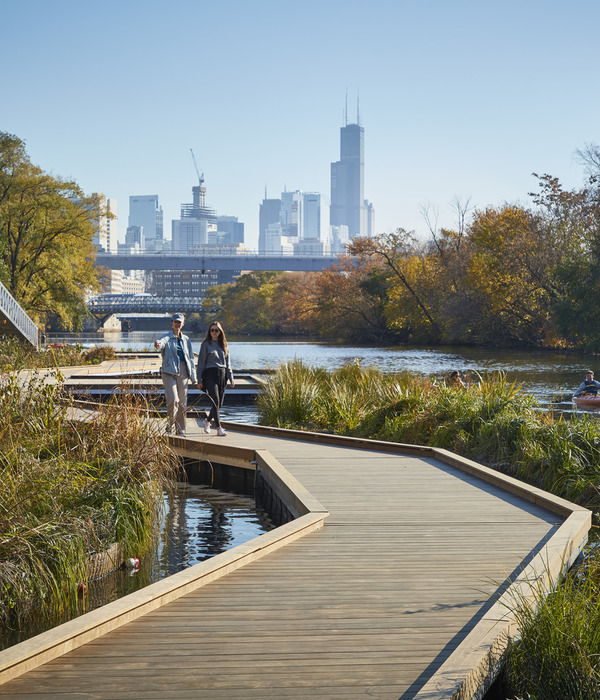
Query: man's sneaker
221,432
206,426
180,433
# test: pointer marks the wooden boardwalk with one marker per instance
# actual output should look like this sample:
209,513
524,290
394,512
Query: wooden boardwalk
394,597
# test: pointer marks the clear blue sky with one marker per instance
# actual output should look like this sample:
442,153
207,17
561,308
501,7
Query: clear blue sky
458,98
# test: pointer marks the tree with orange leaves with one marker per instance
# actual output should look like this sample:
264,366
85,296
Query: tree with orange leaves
401,256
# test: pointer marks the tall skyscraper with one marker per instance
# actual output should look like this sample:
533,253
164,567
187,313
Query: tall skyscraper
134,238
288,221
268,215
316,216
106,233
145,212
348,205
230,230
291,215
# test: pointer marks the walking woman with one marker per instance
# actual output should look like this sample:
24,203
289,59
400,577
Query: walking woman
177,367
214,370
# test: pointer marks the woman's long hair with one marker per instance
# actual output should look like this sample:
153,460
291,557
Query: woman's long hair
221,337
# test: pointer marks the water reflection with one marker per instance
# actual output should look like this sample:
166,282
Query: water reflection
202,522
198,523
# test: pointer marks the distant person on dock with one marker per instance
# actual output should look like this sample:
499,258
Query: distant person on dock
214,370
588,387
453,379
176,369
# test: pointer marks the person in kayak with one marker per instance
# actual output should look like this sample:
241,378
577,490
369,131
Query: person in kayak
589,387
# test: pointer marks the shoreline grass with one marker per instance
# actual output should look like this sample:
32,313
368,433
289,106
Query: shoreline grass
70,489
557,652
491,421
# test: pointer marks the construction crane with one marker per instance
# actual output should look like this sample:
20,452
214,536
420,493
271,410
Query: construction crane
200,177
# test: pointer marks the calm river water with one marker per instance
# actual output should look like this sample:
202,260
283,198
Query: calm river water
550,376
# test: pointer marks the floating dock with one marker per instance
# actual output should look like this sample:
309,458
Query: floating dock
140,376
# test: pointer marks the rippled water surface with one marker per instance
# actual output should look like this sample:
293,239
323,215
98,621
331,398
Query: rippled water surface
548,375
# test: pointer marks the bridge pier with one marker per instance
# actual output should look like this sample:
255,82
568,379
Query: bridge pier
111,323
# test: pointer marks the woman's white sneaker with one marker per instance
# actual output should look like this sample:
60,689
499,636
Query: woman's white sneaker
221,432
206,426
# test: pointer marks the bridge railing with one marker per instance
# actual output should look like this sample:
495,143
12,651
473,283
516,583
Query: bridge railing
17,317
227,252
214,261
123,303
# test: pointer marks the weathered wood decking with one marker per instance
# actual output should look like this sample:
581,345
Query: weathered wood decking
394,597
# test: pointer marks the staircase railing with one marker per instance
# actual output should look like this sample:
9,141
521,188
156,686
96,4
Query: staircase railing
17,318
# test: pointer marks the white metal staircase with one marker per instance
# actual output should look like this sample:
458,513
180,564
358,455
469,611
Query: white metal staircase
14,321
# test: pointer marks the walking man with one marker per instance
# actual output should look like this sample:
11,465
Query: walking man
176,370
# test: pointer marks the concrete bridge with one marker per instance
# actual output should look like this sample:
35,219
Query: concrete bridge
208,261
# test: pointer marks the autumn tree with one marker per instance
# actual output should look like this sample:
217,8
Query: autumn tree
47,226
297,307
351,300
507,277
572,220
409,267
247,305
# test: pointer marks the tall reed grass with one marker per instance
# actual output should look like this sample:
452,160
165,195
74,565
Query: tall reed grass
300,396
70,488
492,421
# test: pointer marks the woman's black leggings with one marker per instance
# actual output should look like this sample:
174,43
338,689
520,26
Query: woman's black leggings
214,381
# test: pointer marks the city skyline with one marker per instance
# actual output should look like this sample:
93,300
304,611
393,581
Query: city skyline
458,99
300,214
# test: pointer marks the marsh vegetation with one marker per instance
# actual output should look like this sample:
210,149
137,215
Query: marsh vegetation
71,487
